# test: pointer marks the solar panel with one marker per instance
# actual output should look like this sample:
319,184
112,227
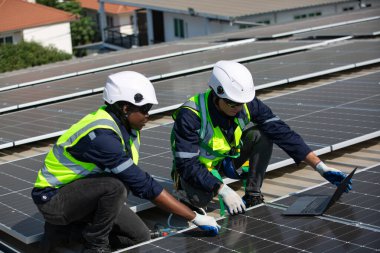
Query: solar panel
49,121
361,114
360,207
364,29
94,83
264,229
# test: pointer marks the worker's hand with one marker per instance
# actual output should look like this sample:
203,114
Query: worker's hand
234,203
332,175
206,223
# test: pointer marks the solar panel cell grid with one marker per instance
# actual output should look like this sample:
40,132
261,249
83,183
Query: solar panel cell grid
265,229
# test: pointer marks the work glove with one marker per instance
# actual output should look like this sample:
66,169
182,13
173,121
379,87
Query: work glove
332,175
229,169
206,223
234,203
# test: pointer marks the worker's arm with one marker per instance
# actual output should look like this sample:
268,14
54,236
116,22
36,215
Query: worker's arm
332,175
168,203
187,143
278,131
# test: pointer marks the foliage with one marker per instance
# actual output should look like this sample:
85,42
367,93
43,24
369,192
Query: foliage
28,54
51,3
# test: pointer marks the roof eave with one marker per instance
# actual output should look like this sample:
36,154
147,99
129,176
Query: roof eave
156,8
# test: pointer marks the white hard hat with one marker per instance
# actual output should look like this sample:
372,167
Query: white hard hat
129,86
233,81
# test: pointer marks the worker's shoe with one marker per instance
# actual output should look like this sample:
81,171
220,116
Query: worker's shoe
253,199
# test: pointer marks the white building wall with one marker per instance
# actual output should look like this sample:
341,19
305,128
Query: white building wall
124,21
199,26
194,26
57,35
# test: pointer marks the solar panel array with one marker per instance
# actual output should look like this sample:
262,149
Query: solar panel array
49,121
350,225
88,84
92,64
269,72
327,117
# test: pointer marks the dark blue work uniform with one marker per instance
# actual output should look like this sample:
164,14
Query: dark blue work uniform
187,126
79,200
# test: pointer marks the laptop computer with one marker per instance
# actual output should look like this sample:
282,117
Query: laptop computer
311,205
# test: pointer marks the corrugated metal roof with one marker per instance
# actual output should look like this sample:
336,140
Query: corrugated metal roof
224,9
18,14
109,8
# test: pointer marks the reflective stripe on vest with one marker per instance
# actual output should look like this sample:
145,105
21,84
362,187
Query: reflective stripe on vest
61,167
214,146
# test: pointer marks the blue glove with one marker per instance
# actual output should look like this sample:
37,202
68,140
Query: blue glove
229,169
332,175
206,223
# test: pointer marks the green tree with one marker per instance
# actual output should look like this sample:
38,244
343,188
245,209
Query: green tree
51,3
28,54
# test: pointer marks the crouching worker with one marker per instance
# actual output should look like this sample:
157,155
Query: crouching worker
88,172
216,132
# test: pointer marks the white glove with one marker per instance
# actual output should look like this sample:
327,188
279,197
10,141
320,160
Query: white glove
232,200
206,223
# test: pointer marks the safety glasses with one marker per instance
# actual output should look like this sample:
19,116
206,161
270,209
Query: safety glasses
144,109
232,104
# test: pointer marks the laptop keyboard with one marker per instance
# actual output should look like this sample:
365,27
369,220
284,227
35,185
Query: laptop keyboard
314,206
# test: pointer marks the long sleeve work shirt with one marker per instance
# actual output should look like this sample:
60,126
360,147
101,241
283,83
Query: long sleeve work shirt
186,133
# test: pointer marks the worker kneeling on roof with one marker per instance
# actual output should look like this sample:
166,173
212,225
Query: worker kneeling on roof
227,131
88,172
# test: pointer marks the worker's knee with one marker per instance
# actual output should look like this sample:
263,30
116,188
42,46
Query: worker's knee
254,137
142,235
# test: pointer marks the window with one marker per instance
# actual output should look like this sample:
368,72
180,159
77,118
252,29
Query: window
6,40
267,22
310,15
109,21
179,28
351,8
